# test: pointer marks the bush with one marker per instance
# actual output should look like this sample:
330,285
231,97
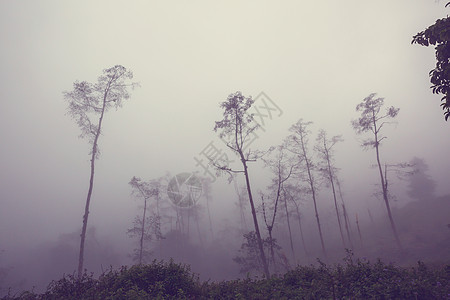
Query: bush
168,280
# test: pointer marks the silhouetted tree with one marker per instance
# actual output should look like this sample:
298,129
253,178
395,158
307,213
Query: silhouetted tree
372,120
297,143
238,126
324,147
292,194
250,259
344,212
439,34
282,169
88,102
145,227
420,186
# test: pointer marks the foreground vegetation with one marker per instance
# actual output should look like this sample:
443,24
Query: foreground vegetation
358,279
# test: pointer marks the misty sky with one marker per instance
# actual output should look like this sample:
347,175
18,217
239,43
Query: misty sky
315,59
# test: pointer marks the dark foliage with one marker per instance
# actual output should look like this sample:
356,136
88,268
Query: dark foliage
439,34
358,279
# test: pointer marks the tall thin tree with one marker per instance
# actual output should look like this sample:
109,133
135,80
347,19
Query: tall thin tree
88,103
145,191
282,170
325,149
298,143
238,127
373,120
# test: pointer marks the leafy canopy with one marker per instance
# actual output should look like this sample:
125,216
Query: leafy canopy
439,34
372,119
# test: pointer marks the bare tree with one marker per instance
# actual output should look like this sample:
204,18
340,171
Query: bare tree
288,221
344,211
298,144
324,147
292,192
359,232
237,125
372,120
88,102
282,170
145,190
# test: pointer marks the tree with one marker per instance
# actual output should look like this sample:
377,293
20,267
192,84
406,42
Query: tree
88,103
297,143
421,186
279,167
372,120
324,147
344,211
250,259
145,190
292,192
439,34
237,125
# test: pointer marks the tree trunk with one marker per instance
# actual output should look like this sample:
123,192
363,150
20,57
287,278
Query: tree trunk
384,188
301,228
313,191
359,232
347,226
289,228
255,220
91,186
141,246
330,173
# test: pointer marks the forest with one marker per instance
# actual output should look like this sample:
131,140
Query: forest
265,152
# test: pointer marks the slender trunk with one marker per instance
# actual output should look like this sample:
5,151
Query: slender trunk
244,226
255,220
347,225
91,186
272,252
313,191
301,228
344,211
209,217
159,223
359,232
289,228
330,173
141,242
384,187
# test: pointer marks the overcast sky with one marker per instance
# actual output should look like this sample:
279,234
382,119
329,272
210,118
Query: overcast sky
315,59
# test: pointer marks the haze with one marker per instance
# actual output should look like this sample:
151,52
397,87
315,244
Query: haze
315,59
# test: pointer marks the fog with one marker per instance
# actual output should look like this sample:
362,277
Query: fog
313,60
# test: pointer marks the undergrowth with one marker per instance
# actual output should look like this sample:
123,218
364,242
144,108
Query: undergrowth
358,279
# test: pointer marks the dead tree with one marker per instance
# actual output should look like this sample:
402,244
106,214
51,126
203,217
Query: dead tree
291,193
237,126
145,190
282,170
324,147
297,143
372,120
88,103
